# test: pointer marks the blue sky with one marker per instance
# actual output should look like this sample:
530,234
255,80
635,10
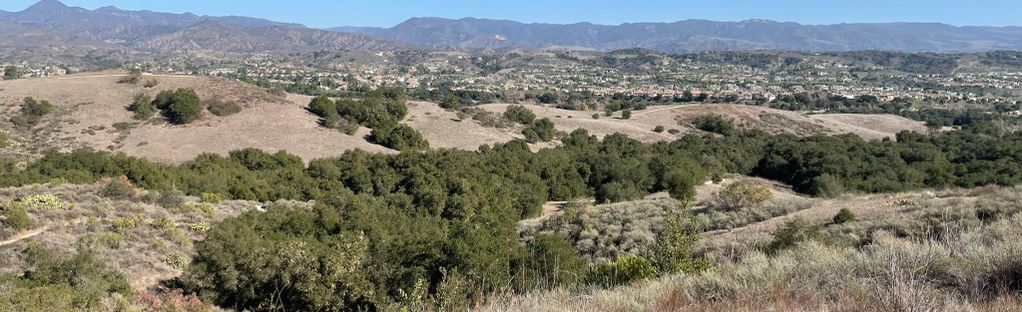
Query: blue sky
386,13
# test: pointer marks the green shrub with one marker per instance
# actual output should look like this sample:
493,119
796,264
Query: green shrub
615,191
134,77
793,232
201,227
843,216
658,129
519,114
179,106
399,137
142,106
169,199
12,72
110,239
221,108
740,195
59,282
541,130
673,251
177,261
31,107
623,270
596,116
16,217
5,139
681,181
323,107
124,224
715,124
212,198
118,189
626,114
553,261
43,202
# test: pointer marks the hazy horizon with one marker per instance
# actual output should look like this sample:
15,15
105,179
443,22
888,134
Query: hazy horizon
389,13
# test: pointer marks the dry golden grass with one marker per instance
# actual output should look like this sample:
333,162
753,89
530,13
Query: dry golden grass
89,105
953,250
140,239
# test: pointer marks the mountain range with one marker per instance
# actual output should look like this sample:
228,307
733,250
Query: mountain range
700,35
52,24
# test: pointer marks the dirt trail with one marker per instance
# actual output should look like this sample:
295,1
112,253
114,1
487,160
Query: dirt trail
865,207
24,235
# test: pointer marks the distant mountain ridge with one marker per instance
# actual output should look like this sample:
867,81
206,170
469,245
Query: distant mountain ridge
700,35
51,23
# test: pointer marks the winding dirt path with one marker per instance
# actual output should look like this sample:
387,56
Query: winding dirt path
24,235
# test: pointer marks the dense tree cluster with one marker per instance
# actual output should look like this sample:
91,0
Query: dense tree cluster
381,109
439,226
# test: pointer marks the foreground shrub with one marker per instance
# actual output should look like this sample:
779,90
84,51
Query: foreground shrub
16,217
793,232
623,270
740,195
673,251
238,265
843,216
59,282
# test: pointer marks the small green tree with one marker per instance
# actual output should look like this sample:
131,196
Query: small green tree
658,129
11,73
180,106
519,114
142,106
673,251
541,130
626,114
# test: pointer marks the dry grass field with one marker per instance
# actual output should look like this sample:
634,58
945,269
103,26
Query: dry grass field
90,112
678,118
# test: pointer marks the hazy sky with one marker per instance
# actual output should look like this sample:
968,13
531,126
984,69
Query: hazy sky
386,13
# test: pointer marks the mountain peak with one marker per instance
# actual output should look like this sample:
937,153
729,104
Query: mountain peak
48,5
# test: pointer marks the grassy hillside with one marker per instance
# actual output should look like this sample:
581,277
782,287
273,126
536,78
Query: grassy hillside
954,250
